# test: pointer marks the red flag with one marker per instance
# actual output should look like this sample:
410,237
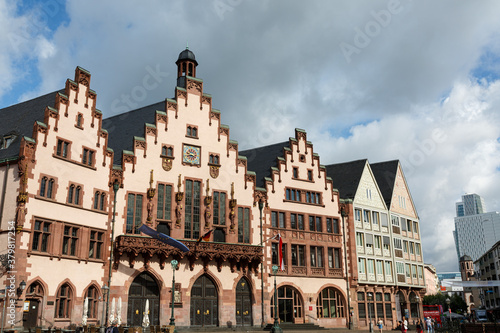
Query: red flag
280,253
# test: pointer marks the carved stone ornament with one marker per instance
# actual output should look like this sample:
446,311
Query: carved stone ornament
214,171
167,164
208,212
232,214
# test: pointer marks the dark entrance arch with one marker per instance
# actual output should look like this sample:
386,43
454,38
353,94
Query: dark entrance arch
34,297
144,287
243,303
204,303
289,304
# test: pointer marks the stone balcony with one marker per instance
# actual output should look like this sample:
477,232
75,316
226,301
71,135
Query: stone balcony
239,256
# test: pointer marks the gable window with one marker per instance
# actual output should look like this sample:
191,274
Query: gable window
99,200
88,157
309,175
79,120
192,212
96,244
62,148
63,302
70,241
164,207
243,225
46,187
219,208
292,194
214,159
74,194
167,151
295,172
41,236
134,213
192,131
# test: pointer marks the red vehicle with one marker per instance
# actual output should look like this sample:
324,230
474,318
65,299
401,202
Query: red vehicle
433,311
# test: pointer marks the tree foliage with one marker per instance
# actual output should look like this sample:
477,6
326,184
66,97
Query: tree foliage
457,304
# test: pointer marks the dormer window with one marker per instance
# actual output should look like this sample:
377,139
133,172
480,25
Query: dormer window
192,131
7,141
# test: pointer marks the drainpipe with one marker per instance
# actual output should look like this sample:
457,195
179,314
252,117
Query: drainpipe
4,191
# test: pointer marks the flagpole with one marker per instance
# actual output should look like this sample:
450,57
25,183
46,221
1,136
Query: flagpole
261,206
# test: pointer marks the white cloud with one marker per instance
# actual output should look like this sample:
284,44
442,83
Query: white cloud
272,66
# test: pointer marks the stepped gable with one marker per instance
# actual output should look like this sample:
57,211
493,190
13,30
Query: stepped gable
123,127
346,177
261,159
19,119
385,174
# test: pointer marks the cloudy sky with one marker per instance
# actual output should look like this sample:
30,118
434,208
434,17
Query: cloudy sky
416,81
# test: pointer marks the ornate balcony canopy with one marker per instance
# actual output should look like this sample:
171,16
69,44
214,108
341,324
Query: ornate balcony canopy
238,256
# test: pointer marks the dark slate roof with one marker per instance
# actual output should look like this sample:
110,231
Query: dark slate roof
346,177
186,55
261,159
385,174
123,127
19,119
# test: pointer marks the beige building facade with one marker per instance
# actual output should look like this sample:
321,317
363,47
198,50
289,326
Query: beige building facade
76,188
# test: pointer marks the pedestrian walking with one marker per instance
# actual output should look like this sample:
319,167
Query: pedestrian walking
428,324
380,324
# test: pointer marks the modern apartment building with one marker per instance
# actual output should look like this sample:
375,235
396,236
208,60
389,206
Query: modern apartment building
476,231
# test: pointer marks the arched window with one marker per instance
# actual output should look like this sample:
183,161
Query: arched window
70,193
79,120
77,195
63,302
96,200
50,187
43,185
330,304
93,298
190,72
103,197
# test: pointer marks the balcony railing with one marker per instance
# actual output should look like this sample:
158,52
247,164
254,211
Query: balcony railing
238,256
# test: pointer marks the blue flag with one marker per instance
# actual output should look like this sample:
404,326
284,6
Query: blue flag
162,237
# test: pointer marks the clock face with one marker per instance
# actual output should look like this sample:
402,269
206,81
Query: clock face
191,154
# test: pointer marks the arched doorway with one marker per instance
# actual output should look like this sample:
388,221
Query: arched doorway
204,302
289,305
144,287
402,310
243,303
34,297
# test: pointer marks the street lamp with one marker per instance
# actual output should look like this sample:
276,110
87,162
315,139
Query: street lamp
105,290
261,206
343,213
370,326
174,267
116,185
21,288
276,327
449,309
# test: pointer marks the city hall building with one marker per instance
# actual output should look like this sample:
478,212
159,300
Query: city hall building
76,187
